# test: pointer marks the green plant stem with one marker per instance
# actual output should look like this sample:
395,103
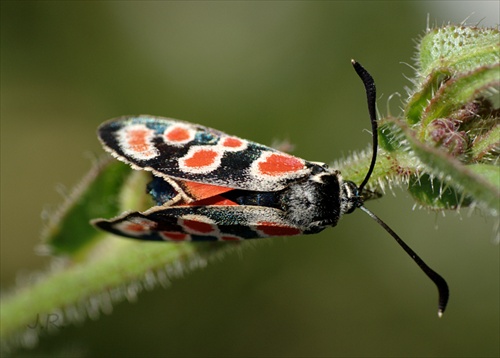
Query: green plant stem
128,262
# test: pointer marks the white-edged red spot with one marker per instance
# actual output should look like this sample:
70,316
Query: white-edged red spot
201,159
174,236
179,134
198,224
274,229
233,144
136,140
138,227
273,164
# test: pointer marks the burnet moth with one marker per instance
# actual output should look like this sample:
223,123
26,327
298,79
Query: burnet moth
210,186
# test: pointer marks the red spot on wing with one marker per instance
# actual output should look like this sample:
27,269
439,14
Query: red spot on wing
279,164
133,227
178,134
201,158
198,226
274,229
232,142
138,140
175,236
199,191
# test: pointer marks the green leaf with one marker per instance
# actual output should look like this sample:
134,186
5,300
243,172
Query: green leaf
486,146
460,90
447,53
488,172
461,178
457,49
68,230
434,194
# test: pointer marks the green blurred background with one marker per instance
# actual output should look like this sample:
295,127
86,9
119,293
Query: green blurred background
262,71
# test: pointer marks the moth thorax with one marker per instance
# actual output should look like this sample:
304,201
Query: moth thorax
350,199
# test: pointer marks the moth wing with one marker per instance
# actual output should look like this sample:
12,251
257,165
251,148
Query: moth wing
180,150
202,223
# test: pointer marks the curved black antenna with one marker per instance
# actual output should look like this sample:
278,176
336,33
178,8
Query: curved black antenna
440,282
371,96
442,286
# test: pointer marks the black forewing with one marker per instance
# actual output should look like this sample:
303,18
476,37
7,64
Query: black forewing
234,170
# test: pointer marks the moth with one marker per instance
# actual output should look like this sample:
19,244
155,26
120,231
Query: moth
211,186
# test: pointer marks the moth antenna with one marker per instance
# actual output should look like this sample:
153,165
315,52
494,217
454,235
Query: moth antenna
442,286
371,96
